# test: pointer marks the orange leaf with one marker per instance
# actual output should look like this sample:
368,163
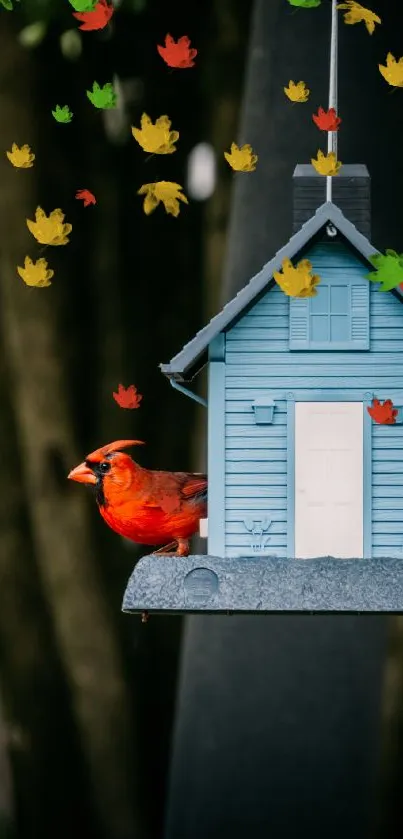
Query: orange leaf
383,413
177,53
86,196
98,18
327,120
127,397
169,503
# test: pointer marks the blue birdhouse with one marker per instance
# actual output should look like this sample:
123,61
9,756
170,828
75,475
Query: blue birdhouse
305,498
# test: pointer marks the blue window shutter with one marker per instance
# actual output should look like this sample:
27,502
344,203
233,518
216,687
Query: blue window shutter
299,323
360,315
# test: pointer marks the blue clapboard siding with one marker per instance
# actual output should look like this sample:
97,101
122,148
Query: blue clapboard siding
259,363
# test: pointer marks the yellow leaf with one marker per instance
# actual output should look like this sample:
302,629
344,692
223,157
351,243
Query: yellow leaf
297,92
393,71
241,159
156,139
326,164
359,14
21,158
297,281
36,273
49,230
169,193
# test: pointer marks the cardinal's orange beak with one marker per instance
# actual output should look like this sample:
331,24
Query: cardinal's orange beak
82,474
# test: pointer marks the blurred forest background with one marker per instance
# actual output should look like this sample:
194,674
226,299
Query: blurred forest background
88,694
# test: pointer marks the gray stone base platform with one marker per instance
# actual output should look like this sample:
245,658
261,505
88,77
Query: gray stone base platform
264,584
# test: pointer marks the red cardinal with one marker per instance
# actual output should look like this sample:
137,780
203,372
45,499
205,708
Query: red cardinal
146,506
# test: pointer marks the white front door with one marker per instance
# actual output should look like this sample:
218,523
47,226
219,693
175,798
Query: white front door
329,479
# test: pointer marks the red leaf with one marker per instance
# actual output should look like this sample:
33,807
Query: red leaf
177,53
86,196
127,397
169,503
383,413
327,120
98,18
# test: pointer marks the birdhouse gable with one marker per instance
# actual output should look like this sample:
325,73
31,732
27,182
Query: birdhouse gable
306,321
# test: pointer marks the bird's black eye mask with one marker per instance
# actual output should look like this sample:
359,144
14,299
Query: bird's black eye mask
99,470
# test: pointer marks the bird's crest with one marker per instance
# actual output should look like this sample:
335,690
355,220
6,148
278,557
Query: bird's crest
99,454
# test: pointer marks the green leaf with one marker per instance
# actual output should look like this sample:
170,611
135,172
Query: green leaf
33,34
389,269
83,5
102,97
71,44
62,114
305,4
8,4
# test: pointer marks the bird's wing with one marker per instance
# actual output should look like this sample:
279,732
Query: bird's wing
193,484
169,489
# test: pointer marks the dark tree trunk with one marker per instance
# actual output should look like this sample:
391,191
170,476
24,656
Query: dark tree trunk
38,732
35,351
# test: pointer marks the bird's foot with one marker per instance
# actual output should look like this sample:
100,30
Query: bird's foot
182,548
165,550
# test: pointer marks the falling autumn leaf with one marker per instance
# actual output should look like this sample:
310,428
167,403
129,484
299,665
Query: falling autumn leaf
297,92
162,191
169,193
102,97
177,54
35,274
359,14
83,5
241,159
326,164
297,281
156,139
326,120
389,269
383,413
96,18
62,114
49,230
86,196
127,397
393,71
8,4
169,503
21,158
305,4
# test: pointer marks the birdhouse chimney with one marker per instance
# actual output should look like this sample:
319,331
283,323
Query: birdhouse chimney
351,193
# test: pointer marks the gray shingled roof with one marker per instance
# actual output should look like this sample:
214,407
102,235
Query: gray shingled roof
192,352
